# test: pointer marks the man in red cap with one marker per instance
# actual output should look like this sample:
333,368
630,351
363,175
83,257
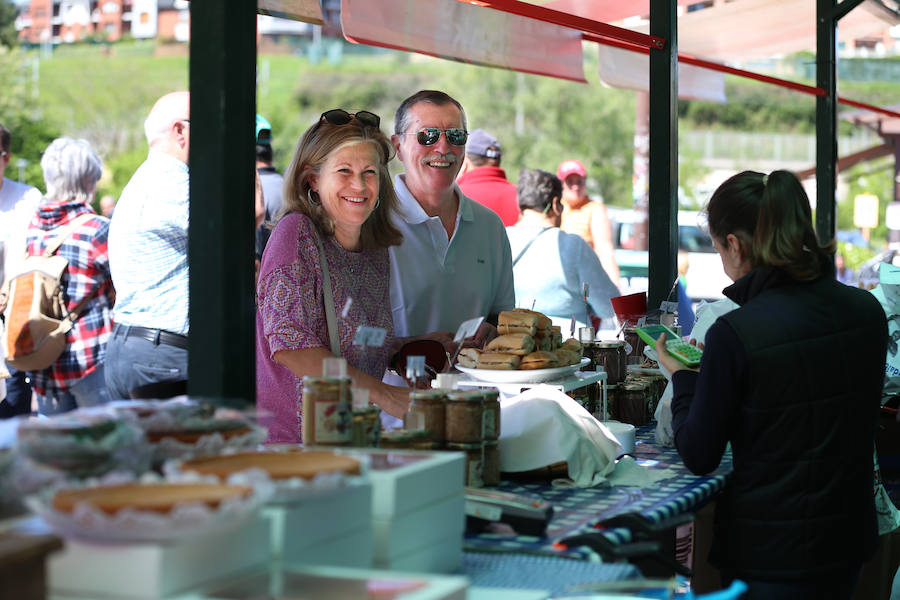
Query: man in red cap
484,181
586,218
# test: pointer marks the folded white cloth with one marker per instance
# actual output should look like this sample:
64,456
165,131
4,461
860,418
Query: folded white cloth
543,426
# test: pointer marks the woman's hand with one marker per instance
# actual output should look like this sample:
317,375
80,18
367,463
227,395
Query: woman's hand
669,362
391,399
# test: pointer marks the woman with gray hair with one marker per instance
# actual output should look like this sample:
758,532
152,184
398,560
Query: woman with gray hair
71,171
550,266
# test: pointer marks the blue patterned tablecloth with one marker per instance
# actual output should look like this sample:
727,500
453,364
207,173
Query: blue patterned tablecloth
577,510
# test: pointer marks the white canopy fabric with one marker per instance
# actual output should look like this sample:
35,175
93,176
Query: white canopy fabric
460,31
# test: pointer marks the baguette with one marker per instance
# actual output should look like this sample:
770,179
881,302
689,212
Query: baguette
506,329
542,322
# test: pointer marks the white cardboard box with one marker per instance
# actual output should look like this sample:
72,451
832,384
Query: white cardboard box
329,524
419,528
150,571
438,556
326,583
405,480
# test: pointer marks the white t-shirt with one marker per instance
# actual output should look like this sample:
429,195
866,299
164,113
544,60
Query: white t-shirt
436,282
18,206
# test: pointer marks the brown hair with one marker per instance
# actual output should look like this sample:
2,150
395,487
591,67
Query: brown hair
313,149
771,216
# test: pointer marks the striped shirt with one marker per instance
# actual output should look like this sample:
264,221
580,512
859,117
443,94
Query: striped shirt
87,274
148,239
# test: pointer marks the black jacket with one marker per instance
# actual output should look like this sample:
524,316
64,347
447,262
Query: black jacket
805,363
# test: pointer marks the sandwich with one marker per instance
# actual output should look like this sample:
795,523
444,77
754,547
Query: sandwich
539,360
468,357
500,361
512,343
555,337
542,321
509,322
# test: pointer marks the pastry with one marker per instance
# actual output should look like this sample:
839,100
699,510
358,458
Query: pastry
279,465
468,357
158,497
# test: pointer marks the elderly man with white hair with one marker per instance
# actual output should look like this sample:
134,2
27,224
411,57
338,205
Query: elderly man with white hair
71,171
148,258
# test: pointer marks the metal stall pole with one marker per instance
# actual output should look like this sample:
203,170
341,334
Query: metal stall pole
663,178
221,359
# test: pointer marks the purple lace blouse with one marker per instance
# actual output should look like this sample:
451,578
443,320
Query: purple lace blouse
291,314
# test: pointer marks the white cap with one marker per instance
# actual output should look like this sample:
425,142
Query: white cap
445,381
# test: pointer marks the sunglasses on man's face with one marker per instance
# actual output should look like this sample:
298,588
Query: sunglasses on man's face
429,136
338,116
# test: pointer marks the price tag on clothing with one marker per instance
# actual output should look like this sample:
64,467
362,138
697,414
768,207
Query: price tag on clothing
668,307
369,336
468,329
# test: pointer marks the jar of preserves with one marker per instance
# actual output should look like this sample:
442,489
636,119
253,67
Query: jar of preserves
430,405
491,464
631,404
365,427
326,411
464,418
491,413
611,356
636,356
474,468
398,439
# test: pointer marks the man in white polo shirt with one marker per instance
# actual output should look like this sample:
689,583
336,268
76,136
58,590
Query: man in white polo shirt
454,263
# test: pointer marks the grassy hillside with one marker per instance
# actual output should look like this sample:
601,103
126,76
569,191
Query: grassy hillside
103,93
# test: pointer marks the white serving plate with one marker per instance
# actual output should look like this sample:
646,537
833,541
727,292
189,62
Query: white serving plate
522,376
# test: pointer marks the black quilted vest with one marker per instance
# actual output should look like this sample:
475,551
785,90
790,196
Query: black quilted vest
800,502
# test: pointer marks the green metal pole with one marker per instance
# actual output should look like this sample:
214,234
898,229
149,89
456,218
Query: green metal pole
663,179
221,360
826,120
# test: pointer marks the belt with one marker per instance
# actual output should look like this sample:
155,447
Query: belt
157,336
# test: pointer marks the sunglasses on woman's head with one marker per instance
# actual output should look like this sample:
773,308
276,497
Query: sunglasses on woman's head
428,136
339,116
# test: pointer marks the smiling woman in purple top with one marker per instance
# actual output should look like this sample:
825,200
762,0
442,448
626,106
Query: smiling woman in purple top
337,188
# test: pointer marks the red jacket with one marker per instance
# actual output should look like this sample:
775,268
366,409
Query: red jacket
488,186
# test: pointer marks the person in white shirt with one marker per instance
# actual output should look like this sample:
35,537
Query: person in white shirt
18,206
454,263
148,237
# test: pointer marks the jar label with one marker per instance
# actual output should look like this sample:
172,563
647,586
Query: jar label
332,422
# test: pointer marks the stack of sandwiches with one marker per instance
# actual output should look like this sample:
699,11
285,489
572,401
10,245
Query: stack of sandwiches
527,340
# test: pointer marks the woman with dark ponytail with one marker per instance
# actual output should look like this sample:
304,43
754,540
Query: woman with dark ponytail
792,379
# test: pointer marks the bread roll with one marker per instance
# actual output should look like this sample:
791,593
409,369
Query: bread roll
573,345
468,357
513,343
567,357
500,361
539,360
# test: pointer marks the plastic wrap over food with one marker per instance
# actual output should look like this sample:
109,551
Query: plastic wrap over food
182,519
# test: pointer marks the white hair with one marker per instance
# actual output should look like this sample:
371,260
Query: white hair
71,169
169,109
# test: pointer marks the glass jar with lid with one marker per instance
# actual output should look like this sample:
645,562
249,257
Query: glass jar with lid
365,427
474,469
464,417
491,463
491,413
430,405
631,404
611,356
326,410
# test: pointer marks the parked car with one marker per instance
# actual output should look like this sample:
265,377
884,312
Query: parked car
705,276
